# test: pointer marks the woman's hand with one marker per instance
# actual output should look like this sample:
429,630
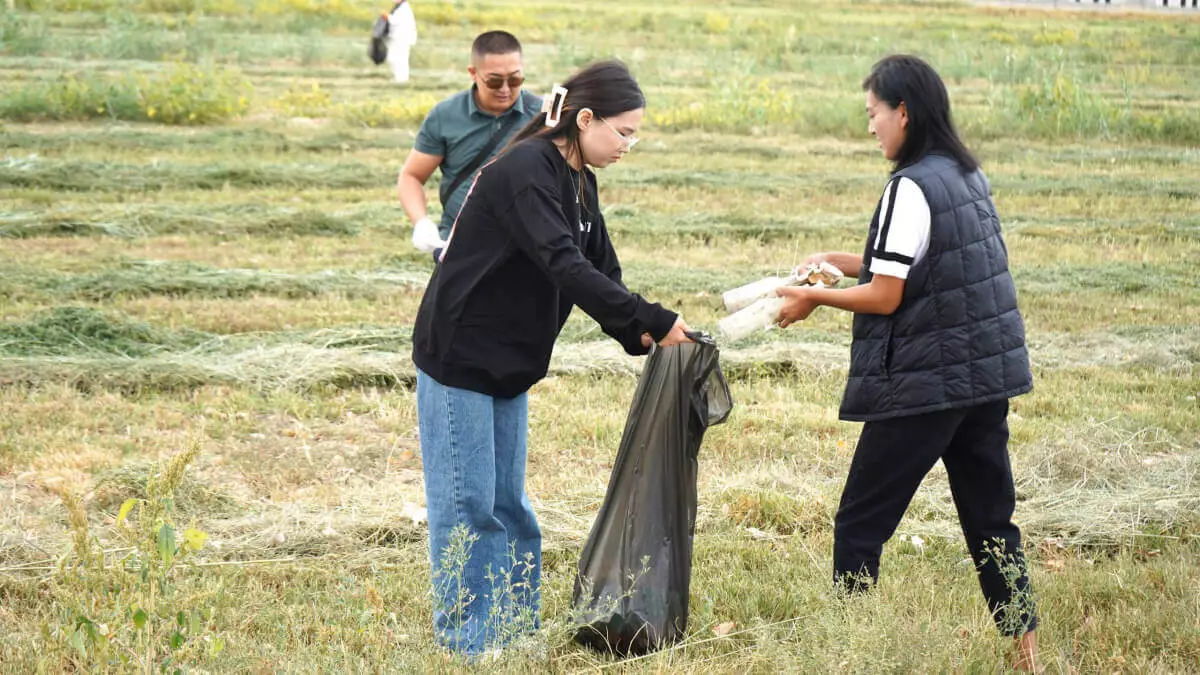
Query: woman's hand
678,334
814,260
798,304
847,263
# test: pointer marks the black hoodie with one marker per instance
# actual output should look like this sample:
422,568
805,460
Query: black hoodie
522,253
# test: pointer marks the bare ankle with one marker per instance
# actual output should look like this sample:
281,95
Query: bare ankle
1025,657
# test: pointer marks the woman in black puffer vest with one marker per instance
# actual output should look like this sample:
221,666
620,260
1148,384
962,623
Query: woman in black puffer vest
938,349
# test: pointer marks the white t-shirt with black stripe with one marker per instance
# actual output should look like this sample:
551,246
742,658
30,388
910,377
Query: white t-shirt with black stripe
903,235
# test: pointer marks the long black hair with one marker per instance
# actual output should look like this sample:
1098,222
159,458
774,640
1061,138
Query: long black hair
605,87
902,78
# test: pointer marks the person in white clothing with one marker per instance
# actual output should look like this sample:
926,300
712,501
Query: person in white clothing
402,35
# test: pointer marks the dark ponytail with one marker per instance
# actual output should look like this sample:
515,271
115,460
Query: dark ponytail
606,87
906,79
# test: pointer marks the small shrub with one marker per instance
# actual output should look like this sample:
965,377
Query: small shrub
399,112
1014,617
1004,37
511,17
1063,37
735,107
340,9
22,35
715,24
174,6
312,101
304,101
190,497
1058,105
131,613
191,94
1170,127
182,94
759,106
442,14
512,593
67,97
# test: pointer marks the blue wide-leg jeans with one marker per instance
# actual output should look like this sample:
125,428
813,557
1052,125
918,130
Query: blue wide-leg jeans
485,546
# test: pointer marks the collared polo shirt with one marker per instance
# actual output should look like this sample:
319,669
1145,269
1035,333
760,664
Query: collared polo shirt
456,130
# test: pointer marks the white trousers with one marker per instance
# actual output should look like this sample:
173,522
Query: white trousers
397,58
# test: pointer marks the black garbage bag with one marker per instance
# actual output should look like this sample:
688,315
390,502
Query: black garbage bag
631,593
379,34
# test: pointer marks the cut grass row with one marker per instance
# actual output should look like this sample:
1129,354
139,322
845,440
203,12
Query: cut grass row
35,173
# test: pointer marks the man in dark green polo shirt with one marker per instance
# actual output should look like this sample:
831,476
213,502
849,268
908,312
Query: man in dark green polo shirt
457,129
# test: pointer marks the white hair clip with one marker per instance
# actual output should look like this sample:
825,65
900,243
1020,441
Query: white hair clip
553,105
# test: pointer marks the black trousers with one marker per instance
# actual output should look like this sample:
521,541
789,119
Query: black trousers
892,458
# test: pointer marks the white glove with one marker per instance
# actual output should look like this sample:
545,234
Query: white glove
425,236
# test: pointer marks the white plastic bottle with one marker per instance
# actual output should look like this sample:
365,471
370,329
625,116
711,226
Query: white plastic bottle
762,314
744,296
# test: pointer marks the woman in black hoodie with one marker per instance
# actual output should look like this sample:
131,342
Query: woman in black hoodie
529,244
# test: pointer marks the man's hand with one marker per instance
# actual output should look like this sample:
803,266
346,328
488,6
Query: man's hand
425,236
798,304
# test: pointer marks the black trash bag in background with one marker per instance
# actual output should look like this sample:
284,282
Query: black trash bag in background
631,593
379,34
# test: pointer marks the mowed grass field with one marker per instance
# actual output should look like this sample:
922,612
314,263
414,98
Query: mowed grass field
207,291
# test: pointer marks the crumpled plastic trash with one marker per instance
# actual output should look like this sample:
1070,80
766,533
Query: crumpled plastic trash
756,305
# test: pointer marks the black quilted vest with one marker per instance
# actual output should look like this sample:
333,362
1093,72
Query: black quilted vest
957,339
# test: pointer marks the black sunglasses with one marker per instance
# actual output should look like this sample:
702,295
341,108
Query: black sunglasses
497,81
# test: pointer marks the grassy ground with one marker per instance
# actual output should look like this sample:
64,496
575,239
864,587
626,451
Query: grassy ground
201,259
